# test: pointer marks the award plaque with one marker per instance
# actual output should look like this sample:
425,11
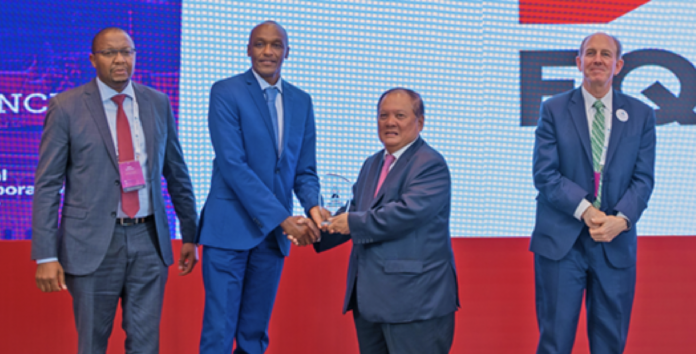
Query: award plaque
336,193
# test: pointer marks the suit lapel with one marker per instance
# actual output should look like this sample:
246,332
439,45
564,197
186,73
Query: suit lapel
287,115
396,171
617,128
259,99
578,115
147,121
95,105
368,191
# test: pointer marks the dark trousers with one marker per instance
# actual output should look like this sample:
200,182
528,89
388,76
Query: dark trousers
240,289
133,272
432,336
560,286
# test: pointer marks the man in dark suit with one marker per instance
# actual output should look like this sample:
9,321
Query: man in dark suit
594,159
402,284
262,130
110,141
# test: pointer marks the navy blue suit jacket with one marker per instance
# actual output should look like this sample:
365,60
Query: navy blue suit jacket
564,175
402,260
251,188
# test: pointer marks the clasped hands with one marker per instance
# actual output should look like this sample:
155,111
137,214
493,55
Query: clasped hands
603,227
303,231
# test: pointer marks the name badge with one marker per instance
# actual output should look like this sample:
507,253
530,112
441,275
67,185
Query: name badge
132,178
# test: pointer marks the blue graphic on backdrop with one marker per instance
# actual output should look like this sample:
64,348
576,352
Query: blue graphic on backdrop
45,46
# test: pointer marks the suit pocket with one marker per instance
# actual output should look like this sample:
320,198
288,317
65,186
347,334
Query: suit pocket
225,194
403,266
70,211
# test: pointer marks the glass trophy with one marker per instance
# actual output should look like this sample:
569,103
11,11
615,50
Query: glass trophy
336,193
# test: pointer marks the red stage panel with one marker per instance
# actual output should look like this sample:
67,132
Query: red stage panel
496,290
575,11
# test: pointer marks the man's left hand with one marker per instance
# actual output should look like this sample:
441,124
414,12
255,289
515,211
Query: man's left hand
611,226
188,258
319,214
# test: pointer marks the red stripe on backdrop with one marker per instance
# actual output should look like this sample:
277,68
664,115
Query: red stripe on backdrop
496,280
575,11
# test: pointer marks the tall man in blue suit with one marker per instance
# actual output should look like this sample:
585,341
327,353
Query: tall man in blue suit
594,159
402,285
112,242
262,130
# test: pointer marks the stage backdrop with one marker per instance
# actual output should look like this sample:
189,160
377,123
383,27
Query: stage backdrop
482,67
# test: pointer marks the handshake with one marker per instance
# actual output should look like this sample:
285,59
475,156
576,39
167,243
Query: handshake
305,231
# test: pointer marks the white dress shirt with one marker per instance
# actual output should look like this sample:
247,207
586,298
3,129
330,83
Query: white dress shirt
130,106
590,111
278,102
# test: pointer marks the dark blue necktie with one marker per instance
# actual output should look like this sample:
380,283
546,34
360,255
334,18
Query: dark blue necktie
271,93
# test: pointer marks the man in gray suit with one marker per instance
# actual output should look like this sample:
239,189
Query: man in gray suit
110,141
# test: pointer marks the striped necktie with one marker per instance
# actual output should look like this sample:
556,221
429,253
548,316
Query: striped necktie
598,135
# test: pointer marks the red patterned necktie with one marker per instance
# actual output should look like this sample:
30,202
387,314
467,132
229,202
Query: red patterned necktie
388,160
129,200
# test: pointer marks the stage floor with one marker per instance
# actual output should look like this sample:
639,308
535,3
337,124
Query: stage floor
496,284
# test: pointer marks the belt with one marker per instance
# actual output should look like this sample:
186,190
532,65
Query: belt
130,222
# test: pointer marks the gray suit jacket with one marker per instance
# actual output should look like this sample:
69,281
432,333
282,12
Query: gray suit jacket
77,149
402,262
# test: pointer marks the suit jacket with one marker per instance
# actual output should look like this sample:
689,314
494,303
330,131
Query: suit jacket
564,175
77,149
402,261
251,188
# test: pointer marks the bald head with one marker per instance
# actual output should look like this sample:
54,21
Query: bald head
616,41
273,24
268,48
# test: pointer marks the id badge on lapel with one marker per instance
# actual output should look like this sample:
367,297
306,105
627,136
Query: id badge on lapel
132,178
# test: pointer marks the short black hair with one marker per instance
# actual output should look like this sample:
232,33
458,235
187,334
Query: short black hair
105,31
619,47
418,106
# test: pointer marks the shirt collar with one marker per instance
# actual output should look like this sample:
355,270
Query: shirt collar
400,152
264,84
590,100
107,92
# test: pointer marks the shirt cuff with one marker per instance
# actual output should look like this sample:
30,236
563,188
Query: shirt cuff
584,204
46,260
628,221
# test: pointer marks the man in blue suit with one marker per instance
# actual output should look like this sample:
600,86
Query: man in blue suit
402,285
262,130
594,159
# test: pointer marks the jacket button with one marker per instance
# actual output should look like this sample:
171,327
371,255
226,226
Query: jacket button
113,214
277,170
116,182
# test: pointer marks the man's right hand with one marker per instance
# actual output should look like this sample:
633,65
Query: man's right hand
301,233
50,277
593,217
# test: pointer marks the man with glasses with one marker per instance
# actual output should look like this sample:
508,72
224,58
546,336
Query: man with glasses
109,142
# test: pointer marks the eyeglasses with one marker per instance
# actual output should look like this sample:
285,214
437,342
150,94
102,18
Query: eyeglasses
110,53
